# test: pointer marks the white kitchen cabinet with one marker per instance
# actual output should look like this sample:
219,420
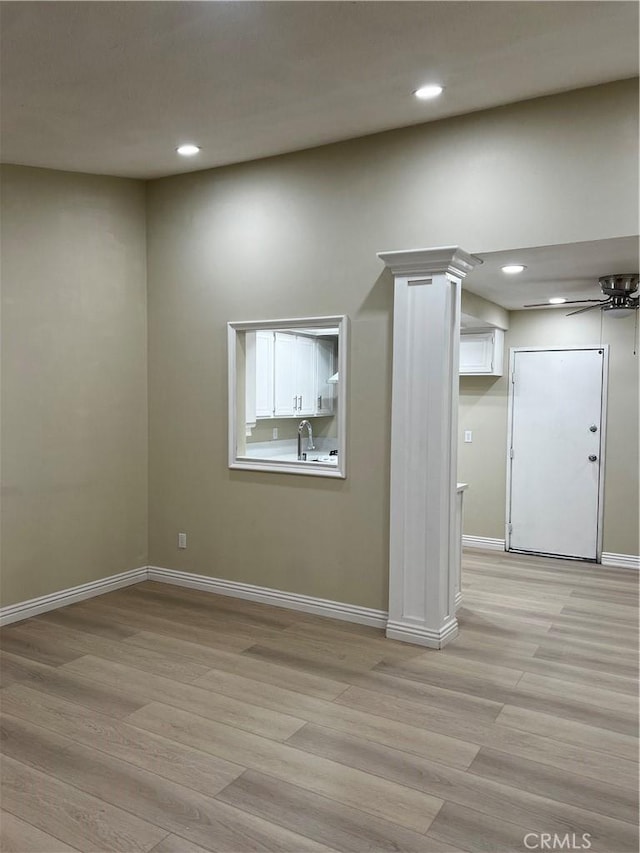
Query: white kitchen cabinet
306,374
325,367
258,396
285,389
294,375
264,374
482,353
250,382
287,376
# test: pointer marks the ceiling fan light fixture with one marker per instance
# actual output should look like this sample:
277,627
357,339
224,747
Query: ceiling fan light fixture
618,313
624,283
618,290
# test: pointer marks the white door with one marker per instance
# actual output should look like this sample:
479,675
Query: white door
556,449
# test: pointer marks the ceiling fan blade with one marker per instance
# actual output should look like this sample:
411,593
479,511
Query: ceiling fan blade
568,302
588,308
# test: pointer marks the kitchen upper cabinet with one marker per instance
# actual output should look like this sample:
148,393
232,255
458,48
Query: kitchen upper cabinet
285,372
259,365
482,353
325,368
294,375
264,374
305,375
287,375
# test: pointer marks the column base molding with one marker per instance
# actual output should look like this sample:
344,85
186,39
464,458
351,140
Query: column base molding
486,543
417,634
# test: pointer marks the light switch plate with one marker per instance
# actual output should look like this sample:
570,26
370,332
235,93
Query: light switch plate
468,436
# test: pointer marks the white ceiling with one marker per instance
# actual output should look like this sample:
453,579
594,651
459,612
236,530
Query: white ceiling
570,270
113,88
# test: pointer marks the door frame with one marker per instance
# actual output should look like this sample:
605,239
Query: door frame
603,436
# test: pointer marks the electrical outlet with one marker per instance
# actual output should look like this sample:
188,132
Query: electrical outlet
275,432
182,540
468,436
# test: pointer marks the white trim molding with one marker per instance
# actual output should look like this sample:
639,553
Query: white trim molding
233,589
34,606
396,630
483,542
275,597
422,636
625,561
423,536
439,259
239,461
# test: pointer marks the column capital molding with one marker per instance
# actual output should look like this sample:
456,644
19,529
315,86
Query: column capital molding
439,260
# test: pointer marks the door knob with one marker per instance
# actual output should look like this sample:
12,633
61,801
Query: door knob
593,458
593,428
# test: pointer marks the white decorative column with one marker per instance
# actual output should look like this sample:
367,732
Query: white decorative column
424,419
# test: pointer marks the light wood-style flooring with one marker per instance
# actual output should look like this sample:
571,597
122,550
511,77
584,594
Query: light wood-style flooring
158,718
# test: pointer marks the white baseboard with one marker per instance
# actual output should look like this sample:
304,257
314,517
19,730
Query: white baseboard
265,595
276,597
483,542
627,561
34,606
422,636
234,589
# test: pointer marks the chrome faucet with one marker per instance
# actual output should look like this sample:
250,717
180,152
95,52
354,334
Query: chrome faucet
311,446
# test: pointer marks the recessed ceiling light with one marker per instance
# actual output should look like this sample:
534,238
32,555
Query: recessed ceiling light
557,300
427,92
188,150
511,269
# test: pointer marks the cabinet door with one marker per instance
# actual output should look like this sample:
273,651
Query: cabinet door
250,381
285,361
324,369
306,375
264,374
476,352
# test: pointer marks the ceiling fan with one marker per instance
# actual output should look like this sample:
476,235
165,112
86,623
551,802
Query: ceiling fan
618,289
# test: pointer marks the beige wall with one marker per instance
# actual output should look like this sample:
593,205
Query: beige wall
297,236
483,409
483,311
286,237
74,404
